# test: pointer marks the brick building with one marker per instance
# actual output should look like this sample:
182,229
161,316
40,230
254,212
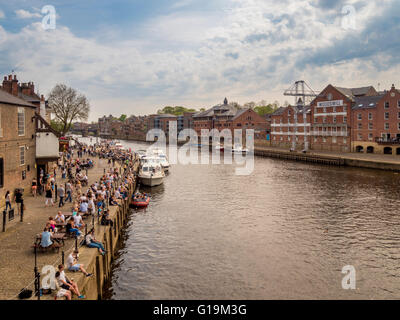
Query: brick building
17,143
228,116
376,123
26,91
331,119
290,127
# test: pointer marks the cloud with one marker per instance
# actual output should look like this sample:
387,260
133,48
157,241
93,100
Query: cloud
247,50
24,14
2,15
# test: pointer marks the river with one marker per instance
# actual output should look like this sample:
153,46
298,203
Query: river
283,232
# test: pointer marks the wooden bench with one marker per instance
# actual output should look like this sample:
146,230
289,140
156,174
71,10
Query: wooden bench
55,246
56,237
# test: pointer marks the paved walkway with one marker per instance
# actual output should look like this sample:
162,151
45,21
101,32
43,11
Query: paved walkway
16,252
384,158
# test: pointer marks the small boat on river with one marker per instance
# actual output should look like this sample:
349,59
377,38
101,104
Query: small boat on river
140,200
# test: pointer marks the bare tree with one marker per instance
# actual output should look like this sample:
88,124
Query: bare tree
68,105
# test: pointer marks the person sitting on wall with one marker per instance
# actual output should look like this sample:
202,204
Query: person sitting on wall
91,242
67,284
74,266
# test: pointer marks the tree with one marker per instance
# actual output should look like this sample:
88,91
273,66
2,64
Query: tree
68,105
263,110
122,117
177,111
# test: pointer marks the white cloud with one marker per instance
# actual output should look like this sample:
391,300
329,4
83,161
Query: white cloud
2,15
186,58
24,14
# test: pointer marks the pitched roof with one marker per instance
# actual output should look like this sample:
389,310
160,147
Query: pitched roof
7,98
355,92
240,112
279,111
222,110
366,102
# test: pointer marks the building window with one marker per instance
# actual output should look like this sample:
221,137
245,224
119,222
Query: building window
370,126
333,139
21,121
22,155
334,119
359,116
324,120
386,126
315,139
370,116
359,136
386,105
398,104
398,126
360,126
23,174
386,115
323,139
370,136
344,119
344,140
398,115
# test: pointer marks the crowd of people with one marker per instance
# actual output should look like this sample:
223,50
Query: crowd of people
86,201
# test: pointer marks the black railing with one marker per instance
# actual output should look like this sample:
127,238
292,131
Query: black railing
387,141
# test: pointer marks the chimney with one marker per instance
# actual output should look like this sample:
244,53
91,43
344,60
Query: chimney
14,87
7,85
42,110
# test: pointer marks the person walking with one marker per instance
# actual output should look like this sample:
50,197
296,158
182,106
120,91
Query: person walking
61,194
8,200
68,189
49,195
18,198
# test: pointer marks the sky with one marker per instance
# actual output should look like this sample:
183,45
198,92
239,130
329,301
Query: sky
135,57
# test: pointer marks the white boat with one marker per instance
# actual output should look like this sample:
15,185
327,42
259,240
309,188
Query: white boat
151,174
163,161
239,149
219,147
141,153
160,157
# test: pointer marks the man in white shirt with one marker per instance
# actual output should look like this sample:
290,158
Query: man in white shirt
78,221
73,265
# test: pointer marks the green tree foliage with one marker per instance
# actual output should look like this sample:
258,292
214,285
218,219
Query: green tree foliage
58,126
177,111
122,117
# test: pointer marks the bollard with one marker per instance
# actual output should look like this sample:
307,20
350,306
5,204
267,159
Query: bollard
76,242
62,257
4,220
22,211
38,285
56,192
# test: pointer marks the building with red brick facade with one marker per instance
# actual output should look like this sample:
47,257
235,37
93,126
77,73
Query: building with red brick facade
227,116
376,123
331,119
290,127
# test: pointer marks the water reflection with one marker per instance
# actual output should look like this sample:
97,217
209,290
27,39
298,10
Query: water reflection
283,232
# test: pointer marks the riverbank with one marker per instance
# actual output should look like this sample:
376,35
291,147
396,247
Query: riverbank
359,160
17,258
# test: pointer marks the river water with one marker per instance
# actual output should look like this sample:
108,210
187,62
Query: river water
283,232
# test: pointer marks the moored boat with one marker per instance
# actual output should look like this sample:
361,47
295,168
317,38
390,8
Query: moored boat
151,174
140,200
